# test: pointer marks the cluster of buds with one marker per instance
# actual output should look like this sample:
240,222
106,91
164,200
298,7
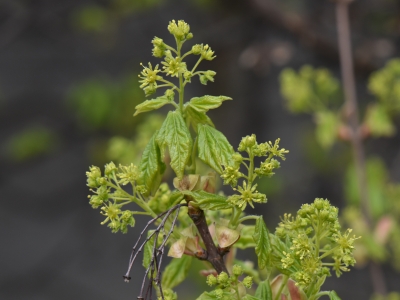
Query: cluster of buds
227,285
247,193
110,197
312,237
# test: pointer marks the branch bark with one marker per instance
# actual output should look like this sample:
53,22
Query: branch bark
351,114
213,256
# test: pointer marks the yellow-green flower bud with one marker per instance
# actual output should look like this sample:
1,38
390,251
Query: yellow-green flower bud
170,94
92,176
223,278
211,280
109,168
188,75
248,282
196,49
158,42
237,270
219,293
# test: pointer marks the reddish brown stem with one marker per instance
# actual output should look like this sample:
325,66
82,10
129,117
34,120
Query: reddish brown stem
351,113
213,255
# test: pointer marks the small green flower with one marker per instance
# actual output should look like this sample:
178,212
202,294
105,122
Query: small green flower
149,76
223,278
247,142
248,196
100,197
111,211
173,66
207,76
180,30
207,53
248,282
92,177
128,174
231,175
109,169
159,47
237,270
196,49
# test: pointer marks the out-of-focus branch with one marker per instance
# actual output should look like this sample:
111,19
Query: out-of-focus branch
305,32
351,113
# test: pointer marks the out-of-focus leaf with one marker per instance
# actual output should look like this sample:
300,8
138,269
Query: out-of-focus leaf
30,143
176,271
327,127
378,121
377,178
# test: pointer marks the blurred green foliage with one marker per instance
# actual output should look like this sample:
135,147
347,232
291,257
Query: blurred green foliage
102,18
31,143
316,92
123,150
102,104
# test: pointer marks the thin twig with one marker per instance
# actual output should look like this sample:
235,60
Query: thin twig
351,113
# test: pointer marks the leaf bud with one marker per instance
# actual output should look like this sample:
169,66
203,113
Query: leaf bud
211,280
248,282
237,270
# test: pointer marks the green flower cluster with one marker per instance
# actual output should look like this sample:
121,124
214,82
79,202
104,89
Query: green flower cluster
309,90
109,195
385,85
311,243
173,64
229,287
247,193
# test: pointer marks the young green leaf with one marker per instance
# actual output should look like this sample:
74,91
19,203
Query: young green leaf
176,272
151,167
205,103
152,104
263,245
176,136
193,117
213,147
333,296
208,201
207,296
264,291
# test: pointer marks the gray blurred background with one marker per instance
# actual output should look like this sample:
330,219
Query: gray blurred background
66,66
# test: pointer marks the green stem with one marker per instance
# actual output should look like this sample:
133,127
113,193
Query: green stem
241,220
320,294
197,64
233,223
251,169
284,282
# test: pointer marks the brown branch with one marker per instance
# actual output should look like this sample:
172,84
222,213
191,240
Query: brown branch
215,257
351,114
